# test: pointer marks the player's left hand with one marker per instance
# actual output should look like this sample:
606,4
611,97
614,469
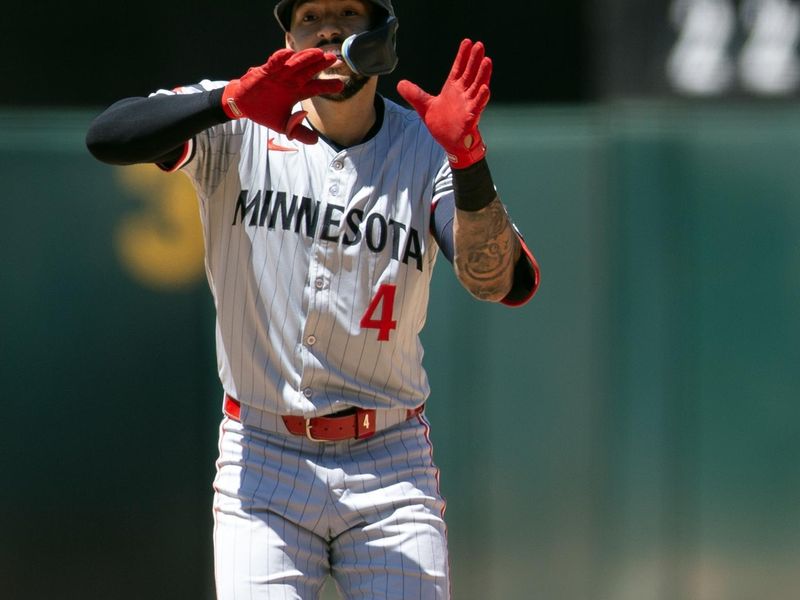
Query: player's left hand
452,116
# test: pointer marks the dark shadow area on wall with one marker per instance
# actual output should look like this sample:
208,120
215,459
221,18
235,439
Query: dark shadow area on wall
89,53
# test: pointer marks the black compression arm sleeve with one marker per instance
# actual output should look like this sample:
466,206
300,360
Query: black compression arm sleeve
142,130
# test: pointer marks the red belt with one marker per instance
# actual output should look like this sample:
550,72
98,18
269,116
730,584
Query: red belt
356,424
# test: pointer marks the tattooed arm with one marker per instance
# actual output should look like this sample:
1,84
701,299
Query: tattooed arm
486,251
474,232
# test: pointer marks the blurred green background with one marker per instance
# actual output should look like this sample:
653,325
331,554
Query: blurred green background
631,434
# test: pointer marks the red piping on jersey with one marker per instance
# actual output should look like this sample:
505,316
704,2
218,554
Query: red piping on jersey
424,421
188,146
535,266
215,509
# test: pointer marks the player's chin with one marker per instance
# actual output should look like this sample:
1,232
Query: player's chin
353,84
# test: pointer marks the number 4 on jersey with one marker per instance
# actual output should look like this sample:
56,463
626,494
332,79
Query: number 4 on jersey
385,299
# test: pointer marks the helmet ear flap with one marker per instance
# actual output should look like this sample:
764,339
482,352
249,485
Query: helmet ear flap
373,52
283,13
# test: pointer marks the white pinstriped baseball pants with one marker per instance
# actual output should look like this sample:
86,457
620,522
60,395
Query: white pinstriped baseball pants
289,511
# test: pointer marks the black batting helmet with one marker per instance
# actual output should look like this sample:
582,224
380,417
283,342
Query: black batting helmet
283,11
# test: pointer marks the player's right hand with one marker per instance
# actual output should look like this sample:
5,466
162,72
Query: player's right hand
267,94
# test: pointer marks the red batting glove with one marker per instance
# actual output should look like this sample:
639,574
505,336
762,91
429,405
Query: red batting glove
266,94
452,116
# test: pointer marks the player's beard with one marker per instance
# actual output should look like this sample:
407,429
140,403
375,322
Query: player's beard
353,84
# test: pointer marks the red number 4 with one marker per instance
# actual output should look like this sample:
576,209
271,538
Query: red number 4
385,298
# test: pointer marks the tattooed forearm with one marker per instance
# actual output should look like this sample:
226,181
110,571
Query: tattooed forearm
486,250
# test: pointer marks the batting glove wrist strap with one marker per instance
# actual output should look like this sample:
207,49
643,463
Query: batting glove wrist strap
267,94
452,117
470,151
473,187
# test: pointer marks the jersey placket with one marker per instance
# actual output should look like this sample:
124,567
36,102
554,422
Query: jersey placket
333,192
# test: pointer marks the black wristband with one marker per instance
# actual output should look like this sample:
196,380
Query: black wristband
473,187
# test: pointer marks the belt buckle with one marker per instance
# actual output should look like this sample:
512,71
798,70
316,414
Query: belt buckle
308,431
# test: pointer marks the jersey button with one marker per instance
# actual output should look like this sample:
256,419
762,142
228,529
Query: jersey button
334,190
319,283
311,340
308,393
338,165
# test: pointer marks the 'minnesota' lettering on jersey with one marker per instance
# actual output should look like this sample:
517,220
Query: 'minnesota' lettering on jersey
301,213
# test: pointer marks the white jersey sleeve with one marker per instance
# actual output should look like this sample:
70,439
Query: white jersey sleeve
201,142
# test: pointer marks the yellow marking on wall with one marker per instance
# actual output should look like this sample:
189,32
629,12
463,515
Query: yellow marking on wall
161,245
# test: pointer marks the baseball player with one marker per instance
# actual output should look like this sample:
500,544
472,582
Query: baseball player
324,207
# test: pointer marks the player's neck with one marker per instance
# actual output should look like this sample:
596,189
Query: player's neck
345,123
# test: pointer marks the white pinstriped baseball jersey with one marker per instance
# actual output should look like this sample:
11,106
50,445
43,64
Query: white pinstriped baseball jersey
319,261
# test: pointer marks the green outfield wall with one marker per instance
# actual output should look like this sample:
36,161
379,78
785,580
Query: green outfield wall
631,434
